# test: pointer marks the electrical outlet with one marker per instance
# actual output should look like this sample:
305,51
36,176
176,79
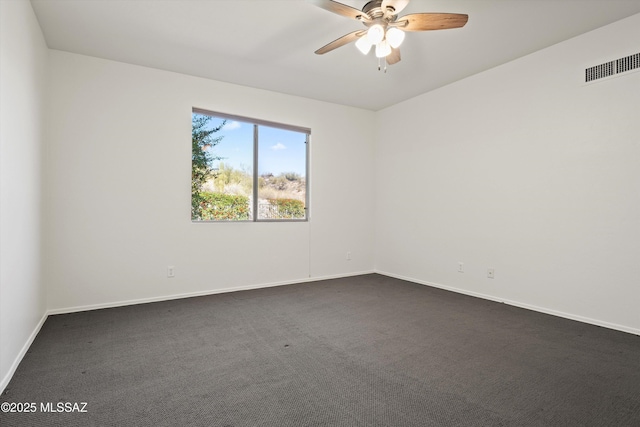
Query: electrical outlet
171,271
460,267
491,273
348,256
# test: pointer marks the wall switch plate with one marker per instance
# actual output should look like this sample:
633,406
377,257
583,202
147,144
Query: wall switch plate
460,267
171,271
491,273
348,256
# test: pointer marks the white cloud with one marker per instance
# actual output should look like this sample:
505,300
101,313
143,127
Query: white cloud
232,125
278,146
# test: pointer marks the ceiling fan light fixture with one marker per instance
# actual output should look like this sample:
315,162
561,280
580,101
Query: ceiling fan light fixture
364,45
395,37
375,34
384,28
383,49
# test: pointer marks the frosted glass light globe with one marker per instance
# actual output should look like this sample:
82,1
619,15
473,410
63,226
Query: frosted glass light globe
395,37
383,49
364,45
375,34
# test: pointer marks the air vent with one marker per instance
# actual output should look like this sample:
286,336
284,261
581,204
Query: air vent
631,62
612,68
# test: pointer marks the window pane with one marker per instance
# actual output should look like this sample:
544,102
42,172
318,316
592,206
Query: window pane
282,163
222,169
247,169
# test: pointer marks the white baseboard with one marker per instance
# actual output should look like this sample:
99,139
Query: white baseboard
199,294
25,348
20,356
569,316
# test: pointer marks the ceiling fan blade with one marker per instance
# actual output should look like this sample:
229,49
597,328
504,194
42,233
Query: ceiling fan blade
340,9
394,56
397,5
431,21
346,39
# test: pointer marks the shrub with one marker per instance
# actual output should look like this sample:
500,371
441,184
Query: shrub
217,206
279,182
292,176
288,208
227,175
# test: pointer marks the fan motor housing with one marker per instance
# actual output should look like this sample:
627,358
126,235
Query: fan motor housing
377,15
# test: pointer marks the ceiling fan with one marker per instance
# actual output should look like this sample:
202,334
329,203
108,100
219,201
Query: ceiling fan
385,30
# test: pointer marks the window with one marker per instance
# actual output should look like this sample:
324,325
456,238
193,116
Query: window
247,170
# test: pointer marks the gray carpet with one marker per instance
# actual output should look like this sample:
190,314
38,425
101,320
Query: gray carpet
361,351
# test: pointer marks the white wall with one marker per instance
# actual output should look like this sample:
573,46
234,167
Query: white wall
23,60
117,189
524,169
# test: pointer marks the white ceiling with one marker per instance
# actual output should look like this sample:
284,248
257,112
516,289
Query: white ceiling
270,44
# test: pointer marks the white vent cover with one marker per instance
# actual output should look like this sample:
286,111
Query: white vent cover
612,68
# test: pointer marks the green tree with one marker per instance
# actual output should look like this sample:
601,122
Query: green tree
202,139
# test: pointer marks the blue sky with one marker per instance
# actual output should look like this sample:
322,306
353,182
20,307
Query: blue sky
279,150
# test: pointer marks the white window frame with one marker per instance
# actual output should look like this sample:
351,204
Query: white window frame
256,123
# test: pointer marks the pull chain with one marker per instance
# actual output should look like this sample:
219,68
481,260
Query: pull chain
380,64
